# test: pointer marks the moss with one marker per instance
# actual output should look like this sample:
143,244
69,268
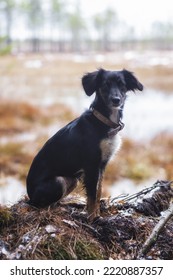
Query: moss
76,248
62,253
56,249
5,216
87,250
138,171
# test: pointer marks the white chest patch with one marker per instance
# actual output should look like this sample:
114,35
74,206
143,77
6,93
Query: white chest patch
109,147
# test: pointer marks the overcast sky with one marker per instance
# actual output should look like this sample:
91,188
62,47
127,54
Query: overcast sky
139,13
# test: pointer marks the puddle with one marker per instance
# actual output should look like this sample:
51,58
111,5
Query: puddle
148,114
145,114
127,186
19,138
11,190
33,64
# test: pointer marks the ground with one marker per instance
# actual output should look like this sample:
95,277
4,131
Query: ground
62,231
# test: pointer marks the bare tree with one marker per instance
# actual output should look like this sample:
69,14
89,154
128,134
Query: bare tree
34,20
104,24
7,9
57,22
76,26
162,34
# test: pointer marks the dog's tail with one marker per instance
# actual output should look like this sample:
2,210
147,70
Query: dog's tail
52,191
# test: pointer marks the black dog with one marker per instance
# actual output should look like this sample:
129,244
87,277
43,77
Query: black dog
84,146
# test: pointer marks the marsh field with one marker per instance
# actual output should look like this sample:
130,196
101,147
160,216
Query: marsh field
41,93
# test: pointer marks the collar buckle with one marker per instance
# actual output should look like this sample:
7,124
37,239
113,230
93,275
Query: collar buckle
116,127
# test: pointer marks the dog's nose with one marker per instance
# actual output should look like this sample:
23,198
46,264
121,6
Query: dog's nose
116,101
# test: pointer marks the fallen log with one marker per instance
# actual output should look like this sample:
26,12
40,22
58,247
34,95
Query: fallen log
156,231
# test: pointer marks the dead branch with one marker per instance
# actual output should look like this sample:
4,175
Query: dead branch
143,192
159,226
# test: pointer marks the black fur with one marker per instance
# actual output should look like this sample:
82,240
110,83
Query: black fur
74,151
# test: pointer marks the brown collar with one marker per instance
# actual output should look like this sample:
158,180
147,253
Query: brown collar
108,122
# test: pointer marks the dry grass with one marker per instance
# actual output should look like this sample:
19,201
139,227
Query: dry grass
161,155
62,231
139,161
18,117
14,161
47,233
157,77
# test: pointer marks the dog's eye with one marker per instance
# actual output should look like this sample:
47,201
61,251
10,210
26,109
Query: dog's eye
122,86
108,83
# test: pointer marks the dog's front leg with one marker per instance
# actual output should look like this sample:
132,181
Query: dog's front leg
92,183
99,192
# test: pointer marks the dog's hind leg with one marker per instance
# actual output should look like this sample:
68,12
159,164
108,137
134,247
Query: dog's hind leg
68,184
51,191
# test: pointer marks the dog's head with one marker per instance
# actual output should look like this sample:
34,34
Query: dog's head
111,86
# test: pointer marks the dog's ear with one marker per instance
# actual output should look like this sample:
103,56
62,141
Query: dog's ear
91,81
131,82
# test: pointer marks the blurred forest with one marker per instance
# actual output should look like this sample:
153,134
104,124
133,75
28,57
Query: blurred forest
45,48
61,26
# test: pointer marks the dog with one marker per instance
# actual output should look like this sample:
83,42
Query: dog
82,148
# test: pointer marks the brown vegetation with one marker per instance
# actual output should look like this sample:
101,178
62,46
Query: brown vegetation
18,118
158,77
137,161
141,161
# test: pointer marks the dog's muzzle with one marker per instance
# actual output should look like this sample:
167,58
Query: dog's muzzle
116,101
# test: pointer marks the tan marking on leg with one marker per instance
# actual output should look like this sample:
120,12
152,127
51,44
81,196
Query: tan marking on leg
93,207
99,194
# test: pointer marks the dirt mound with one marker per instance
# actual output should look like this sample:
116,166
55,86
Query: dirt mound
62,231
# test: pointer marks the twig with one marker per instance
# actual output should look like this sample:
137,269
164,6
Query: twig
127,197
145,191
153,236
